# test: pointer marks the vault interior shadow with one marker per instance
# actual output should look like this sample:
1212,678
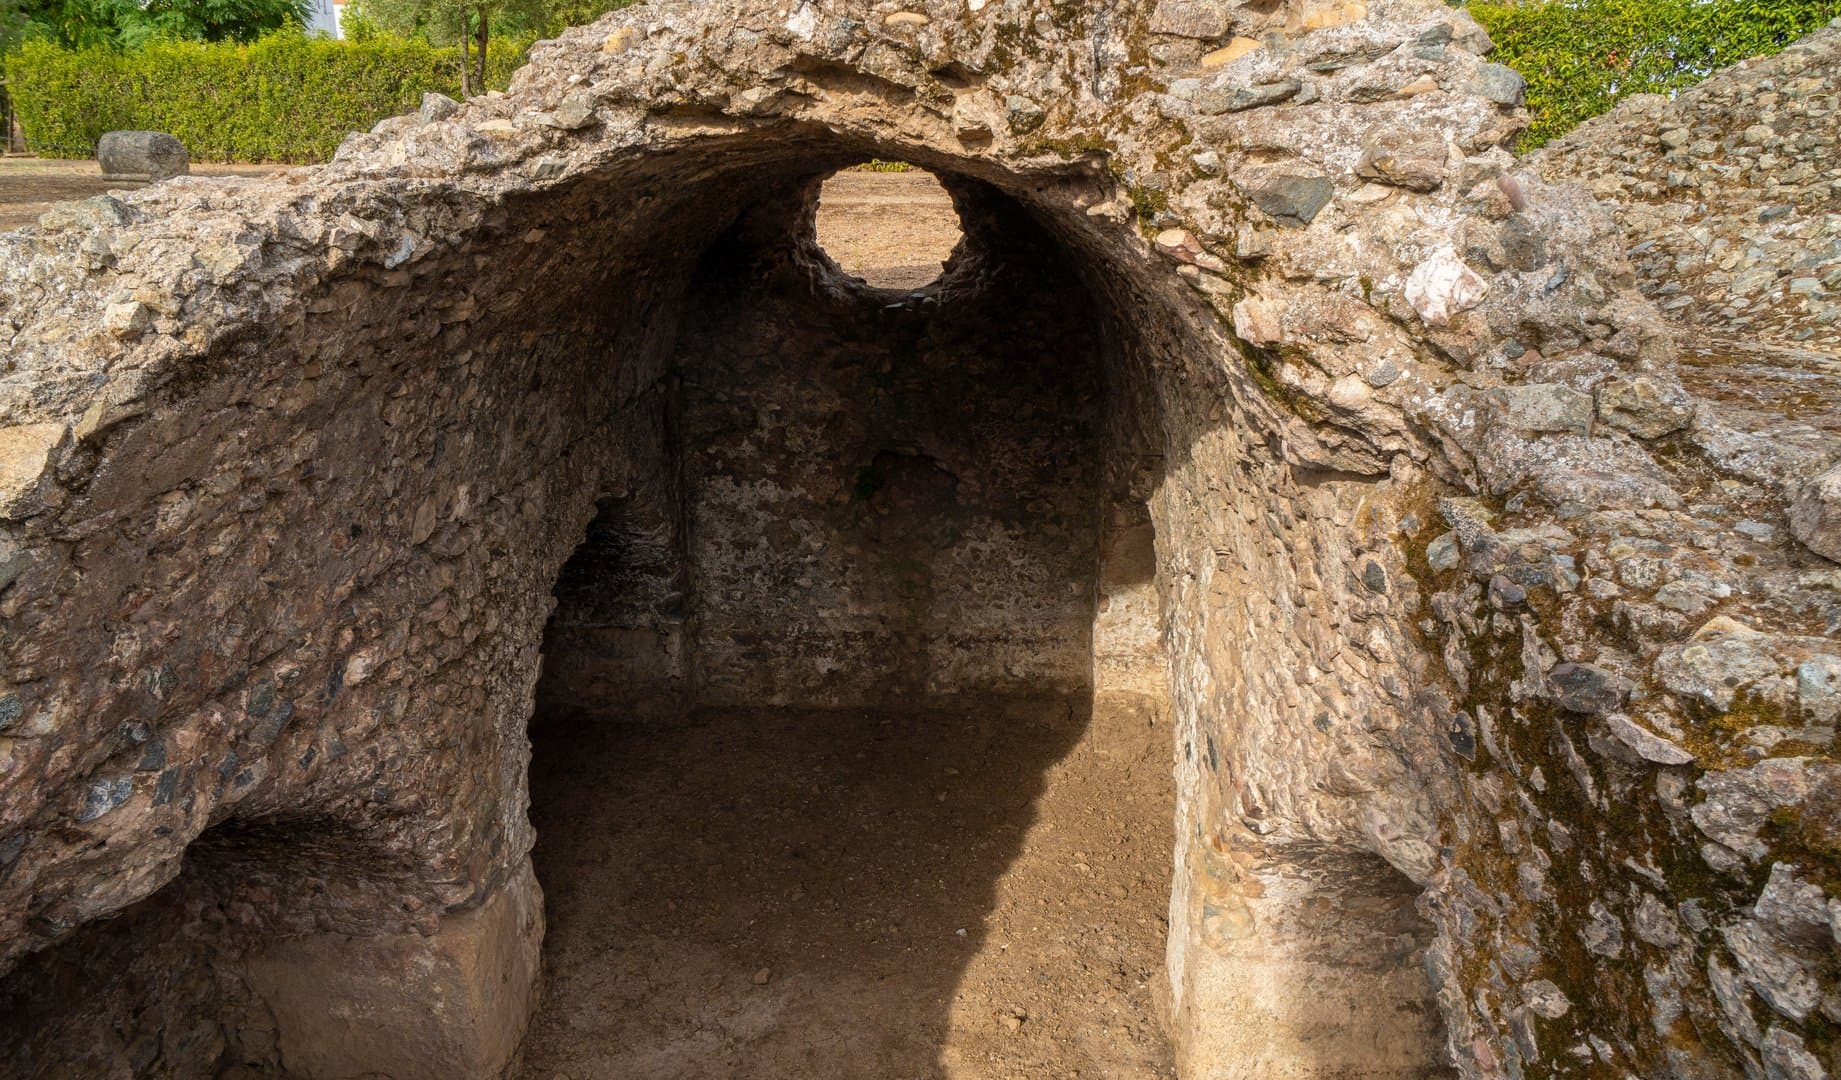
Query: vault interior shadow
822,645
774,892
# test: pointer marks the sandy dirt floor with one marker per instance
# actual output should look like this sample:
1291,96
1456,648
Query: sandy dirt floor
946,895
893,230
28,186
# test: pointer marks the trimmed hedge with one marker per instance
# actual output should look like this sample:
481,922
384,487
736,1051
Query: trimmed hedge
1581,56
290,97
286,98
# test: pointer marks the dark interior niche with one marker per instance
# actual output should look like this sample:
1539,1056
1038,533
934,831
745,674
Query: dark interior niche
845,496
846,603
619,631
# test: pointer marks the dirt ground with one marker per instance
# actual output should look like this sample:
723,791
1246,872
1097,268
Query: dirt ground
972,894
893,230
28,186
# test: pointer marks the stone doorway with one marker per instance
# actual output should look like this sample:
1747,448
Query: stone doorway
828,777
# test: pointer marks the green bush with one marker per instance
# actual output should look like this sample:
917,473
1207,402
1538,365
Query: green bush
287,97
1581,56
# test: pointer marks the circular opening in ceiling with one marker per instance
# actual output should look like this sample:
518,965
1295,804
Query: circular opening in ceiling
889,223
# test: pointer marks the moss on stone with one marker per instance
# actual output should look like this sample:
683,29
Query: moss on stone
1147,203
1793,838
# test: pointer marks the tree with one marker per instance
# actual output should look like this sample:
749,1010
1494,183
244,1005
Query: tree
472,24
216,20
15,24
126,23
467,23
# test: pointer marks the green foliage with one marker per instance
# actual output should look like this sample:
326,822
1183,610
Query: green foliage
15,24
358,27
212,20
445,22
1581,56
440,22
566,13
287,97
126,23
470,23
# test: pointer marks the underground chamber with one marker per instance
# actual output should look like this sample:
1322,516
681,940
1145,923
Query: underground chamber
853,739
1492,696
811,672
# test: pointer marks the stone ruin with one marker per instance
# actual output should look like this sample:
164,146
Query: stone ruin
141,155
1502,664
1729,194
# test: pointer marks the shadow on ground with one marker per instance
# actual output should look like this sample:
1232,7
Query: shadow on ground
778,893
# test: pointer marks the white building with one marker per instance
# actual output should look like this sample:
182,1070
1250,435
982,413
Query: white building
323,17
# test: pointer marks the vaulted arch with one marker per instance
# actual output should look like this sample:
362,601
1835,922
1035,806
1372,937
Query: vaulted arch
293,466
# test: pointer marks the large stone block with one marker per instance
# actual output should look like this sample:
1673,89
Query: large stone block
1815,515
1303,971
141,155
450,1006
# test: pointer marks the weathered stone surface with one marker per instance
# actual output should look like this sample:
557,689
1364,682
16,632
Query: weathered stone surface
1644,407
25,457
1213,100
1403,159
436,107
1815,514
1542,407
1206,19
276,602
1717,665
1502,85
141,155
1726,194
1587,688
1294,197
1647,744
1024,115
1443,286
1741,802
453,1004
1227,54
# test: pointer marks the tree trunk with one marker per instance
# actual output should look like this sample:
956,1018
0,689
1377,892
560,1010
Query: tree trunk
466,74
483,33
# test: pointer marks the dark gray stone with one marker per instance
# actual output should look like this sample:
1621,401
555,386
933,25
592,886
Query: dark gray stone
1294,198
141,155
1502,85
1442,553
153,757
1524,248
104,796
166,786
436,107
1504,593
1215,100
1587,688
1462,736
